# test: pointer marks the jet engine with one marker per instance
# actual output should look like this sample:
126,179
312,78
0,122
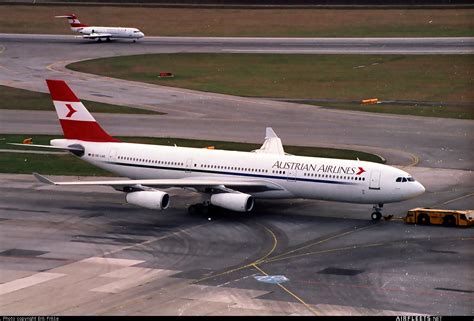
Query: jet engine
233,201
154,200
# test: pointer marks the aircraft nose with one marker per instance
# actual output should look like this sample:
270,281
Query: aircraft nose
141,34
420,189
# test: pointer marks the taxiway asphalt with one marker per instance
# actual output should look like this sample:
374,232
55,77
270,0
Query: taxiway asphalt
82,251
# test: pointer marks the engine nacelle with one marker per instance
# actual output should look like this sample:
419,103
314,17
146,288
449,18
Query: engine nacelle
154,200
233,201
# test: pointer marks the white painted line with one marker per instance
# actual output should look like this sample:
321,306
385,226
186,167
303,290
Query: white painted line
354,51
111,261
127,272
28,281
132,279
222,294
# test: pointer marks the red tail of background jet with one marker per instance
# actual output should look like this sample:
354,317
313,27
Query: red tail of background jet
73,21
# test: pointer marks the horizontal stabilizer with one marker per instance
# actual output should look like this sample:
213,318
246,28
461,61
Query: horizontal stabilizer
49,146
43,179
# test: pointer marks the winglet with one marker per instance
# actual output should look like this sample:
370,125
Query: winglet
270,133
43,179
272,143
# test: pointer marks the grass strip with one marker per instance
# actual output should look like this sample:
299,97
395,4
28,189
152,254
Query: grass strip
245,22
440,110
447,79
20,99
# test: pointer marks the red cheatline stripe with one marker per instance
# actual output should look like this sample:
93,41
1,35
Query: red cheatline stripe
60,91
85,130
78,25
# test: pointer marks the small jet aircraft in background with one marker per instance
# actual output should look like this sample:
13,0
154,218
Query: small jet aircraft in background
226,179
102,33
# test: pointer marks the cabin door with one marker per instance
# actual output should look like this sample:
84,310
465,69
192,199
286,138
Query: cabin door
189,165
374,180
112,155
291,175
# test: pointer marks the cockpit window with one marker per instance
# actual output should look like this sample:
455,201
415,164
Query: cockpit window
404,179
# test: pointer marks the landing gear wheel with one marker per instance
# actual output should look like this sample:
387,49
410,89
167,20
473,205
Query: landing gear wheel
192,210
200,209
203,209
99,40
108,39
376,216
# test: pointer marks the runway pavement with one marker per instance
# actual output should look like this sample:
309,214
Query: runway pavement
393,45
83,251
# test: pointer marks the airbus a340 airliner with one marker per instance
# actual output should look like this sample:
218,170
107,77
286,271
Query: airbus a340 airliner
227,179
99,33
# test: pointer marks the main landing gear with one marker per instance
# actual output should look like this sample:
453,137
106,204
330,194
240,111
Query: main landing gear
377,215
201,209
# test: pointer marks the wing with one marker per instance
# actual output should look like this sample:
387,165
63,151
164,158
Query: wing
96,35
219,184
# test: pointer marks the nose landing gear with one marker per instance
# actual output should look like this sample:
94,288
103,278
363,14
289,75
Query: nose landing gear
377,214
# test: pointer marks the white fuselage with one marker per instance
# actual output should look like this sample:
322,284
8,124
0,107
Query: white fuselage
114,32
300,177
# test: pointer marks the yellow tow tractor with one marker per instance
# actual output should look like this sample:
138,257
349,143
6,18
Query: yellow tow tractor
426,216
